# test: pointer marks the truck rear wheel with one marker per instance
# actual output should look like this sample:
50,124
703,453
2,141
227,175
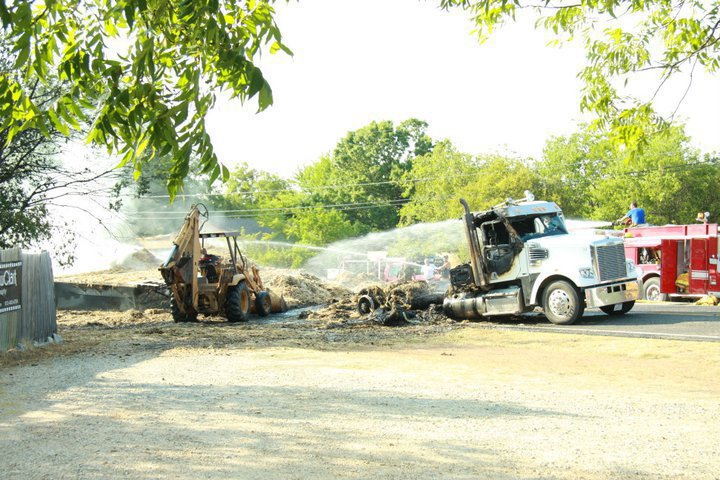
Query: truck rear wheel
618,308
180,316
263,304
237,307
562,303
651,290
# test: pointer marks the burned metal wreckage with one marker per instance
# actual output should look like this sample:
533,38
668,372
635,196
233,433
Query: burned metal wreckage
522,257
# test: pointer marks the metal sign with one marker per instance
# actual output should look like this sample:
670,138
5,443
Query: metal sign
10,286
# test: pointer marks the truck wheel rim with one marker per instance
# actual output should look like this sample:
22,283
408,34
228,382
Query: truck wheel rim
652,293
560,303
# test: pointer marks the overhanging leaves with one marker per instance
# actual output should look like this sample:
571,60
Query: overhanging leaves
622,39
140,69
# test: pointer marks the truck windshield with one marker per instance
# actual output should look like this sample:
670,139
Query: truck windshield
539,226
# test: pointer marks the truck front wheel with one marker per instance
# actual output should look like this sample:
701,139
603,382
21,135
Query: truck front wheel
562,303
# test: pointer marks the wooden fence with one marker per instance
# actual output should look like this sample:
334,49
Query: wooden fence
27,298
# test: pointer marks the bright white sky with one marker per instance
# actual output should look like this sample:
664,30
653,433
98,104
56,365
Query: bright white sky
357,61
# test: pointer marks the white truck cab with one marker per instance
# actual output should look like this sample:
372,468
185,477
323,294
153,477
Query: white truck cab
522,256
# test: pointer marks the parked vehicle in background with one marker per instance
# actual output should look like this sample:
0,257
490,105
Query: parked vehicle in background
397,269
675,260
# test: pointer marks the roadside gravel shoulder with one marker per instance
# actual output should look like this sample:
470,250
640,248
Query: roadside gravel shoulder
141,397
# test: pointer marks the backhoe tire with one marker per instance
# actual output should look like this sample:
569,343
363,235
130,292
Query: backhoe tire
263,304
237,306
618,308
562,303
651,290
179,316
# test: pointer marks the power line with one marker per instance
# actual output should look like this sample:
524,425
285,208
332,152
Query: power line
400,182
254,212
264,212
306,189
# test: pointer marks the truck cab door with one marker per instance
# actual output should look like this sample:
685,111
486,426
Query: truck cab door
698,265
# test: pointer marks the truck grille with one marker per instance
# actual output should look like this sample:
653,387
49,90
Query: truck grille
609,260
537,253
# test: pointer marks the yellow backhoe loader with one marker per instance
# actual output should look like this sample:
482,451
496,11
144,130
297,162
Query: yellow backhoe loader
210,284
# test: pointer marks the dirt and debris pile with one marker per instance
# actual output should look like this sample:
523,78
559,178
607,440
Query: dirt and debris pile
304,290
141,259
114,276
390,305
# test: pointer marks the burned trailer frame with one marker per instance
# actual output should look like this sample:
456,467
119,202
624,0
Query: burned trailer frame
522,256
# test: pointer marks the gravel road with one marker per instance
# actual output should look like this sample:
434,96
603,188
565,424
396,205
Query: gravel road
150,399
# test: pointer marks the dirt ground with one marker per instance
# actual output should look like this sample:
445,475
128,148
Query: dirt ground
134,395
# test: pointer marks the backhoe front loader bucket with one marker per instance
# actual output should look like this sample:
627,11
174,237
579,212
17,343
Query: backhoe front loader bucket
277,302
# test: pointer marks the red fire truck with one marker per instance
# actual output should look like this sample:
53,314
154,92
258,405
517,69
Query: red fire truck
676,260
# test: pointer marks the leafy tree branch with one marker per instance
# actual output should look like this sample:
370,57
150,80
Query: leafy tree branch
621,40
141,73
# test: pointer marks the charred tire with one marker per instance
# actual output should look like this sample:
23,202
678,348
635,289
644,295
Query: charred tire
614,310
365,304
237,307
651,290
562,303
263,304
179,316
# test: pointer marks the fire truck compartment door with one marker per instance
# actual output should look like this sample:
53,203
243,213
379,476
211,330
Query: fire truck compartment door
698,265
669,266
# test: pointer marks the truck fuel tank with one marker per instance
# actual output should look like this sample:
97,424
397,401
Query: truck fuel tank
468,305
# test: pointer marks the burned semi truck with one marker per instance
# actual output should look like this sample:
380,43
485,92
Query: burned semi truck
522,257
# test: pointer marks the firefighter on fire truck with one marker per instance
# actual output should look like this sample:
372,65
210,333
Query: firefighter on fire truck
635,216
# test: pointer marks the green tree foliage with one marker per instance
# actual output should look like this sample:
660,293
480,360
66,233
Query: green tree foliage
621,39
439,179
589,178
320,226
435,183
248,190
288,214
354,190
500,178
34,180
141,73
660,180
23,212
269,200
265,197
570,169
364,170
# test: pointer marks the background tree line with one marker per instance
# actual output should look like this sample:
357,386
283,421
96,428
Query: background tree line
384,176
148,104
